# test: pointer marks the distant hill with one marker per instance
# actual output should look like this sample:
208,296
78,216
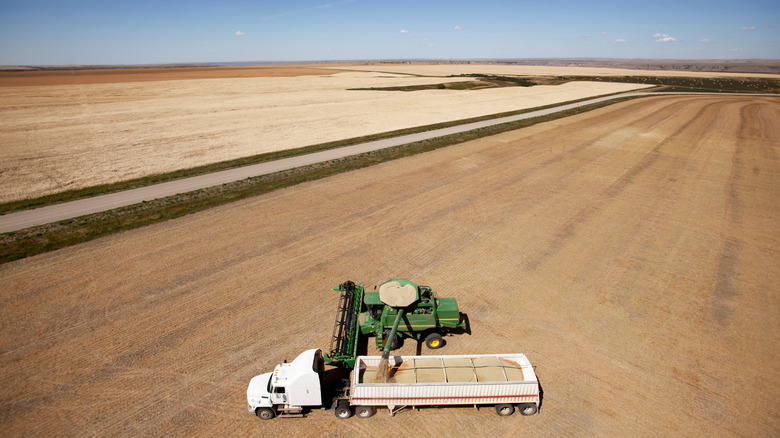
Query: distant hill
771,66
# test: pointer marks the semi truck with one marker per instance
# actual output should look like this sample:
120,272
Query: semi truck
505,381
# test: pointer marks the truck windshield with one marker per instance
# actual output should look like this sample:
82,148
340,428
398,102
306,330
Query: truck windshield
275,390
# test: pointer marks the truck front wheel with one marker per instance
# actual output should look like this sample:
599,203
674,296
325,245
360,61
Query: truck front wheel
265,413
343,411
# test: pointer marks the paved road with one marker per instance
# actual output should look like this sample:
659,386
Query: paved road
54,213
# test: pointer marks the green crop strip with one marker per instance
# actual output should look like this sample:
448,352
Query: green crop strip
671,83
695,84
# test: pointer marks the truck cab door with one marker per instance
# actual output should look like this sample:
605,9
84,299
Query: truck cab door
279,396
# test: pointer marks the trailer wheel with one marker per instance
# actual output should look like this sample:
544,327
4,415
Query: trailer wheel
528,409
265,413
505,410
365,411
434,341
343,411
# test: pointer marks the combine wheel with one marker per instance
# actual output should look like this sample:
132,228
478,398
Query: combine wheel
528,409
505,410
365,411
434,341
343,411
265,413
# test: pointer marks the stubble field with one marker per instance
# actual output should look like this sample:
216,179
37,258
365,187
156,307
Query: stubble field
631,252
69,130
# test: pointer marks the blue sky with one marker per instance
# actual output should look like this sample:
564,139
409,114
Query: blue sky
171,31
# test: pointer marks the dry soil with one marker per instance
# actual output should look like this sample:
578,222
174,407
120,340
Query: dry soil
631,252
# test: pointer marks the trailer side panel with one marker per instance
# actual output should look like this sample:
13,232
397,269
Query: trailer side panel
445,380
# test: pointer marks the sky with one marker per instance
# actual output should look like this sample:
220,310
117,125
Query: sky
107,32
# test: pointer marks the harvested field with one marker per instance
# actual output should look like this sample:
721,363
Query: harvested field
631,252
20,78
61,137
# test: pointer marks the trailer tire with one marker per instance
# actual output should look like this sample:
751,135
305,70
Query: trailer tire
434,341
365,411
343,411
265,413
528,409
505,410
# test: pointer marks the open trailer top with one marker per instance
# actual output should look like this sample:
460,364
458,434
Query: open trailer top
502,380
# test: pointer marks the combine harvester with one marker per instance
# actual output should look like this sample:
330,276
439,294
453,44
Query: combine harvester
414,310
505,381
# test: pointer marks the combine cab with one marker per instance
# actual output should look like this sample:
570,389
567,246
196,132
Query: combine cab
424,317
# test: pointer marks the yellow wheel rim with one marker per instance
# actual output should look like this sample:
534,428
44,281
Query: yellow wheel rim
434,343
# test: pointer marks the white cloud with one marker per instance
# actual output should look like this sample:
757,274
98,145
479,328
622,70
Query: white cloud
404,31
748,28
705,40
664,38
239,33
604,34
736,49
620,41
458,28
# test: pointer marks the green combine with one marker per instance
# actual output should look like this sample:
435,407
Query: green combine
399,309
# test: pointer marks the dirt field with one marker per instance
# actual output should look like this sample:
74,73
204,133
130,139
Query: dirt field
21,78
631,252
61,137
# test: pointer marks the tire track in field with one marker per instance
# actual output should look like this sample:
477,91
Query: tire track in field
751,121
569,228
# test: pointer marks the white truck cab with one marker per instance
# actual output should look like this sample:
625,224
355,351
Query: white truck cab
289,388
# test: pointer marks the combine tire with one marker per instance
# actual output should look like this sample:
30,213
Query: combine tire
365,411
528,409
434,341
505,410
343,411
265,413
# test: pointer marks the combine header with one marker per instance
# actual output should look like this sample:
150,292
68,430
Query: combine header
343,343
